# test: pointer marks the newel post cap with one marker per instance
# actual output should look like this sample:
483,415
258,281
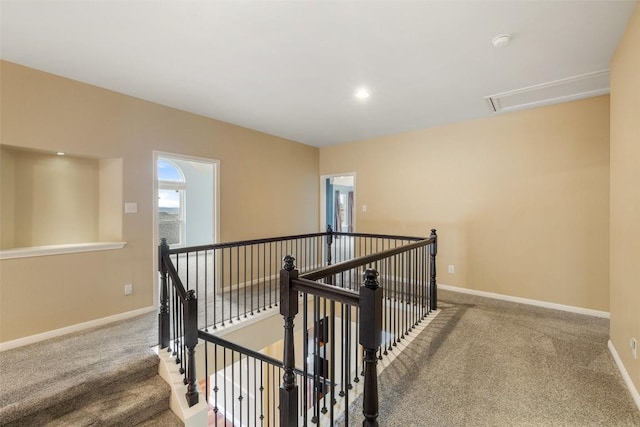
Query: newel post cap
371,278
288,263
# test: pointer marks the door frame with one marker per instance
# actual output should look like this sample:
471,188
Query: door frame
323,199
216,207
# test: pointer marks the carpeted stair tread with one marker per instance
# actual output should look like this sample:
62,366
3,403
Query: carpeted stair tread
122,405
52,377
163,419
57,394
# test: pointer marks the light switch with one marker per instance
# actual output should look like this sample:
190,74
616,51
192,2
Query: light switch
130,207
364,208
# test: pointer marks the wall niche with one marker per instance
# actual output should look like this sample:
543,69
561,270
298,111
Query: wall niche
47,199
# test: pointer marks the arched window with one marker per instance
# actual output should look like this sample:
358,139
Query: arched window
171,203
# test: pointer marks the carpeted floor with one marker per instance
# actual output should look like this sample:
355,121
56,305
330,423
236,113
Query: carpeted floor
483,362
48,372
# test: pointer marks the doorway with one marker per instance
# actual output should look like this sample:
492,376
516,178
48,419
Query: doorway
186,201
338,202
338,209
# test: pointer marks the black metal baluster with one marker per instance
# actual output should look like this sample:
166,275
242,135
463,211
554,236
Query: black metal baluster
231,286
265,277
346,374
215,384
332,347
305,353
316,361
245,281
206,372
255,391
268,388
233,389
206,293
270,274
342,348
225,392
261,394
238,283
325,374
356,353
222,288
395,301
252,282
405,295
215,285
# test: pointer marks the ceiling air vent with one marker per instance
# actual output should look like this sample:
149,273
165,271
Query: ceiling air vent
554,92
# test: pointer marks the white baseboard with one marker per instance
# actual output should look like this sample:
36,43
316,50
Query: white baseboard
625,375
545,304
31,339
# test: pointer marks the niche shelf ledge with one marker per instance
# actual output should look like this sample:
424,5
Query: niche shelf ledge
70,248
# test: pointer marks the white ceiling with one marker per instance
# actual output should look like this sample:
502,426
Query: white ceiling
290,68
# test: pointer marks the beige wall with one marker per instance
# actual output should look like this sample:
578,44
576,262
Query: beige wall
7,198
268,186
520,200
55,199
625,196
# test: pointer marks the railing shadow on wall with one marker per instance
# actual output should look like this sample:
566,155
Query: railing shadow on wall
347,323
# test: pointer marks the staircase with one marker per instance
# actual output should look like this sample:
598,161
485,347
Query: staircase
100,377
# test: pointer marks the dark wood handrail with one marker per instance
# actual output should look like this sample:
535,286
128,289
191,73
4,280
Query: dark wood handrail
214,339
243,243
175,278
331,270
376,236
334,293
285,238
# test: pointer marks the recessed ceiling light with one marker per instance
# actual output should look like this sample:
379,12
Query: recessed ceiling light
362,93
501,41
59,153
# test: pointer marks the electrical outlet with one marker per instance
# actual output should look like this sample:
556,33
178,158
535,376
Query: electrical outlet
452,269
634,347
128,289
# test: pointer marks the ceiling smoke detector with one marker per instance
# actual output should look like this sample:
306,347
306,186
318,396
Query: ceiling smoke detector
501,41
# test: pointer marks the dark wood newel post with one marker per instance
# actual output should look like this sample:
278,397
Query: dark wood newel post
370,339
433,287
329,280
191,340
288,309
163,314
329,243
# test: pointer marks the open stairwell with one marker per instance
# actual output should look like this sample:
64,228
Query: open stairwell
105,376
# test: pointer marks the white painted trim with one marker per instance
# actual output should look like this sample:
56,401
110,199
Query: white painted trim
170,372
323,199
154,216
73,328
625,375
70,248
538,303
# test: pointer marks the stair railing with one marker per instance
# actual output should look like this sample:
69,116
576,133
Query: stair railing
327,287
406,299
185,323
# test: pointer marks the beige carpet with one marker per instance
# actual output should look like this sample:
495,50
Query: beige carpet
88,373
483,362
